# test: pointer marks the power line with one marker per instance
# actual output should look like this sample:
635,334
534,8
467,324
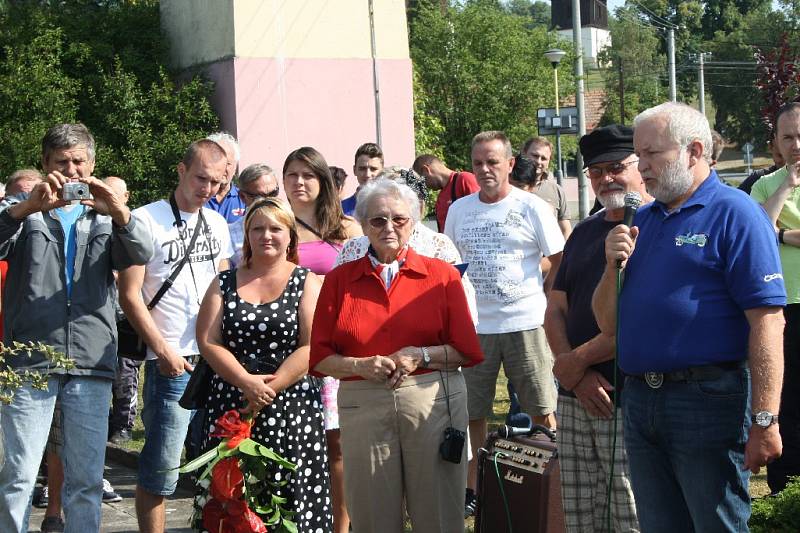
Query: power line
663,21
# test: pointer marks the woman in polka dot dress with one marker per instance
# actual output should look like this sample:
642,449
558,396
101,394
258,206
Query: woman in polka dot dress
253,329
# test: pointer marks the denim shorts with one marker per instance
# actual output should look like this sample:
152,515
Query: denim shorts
165,426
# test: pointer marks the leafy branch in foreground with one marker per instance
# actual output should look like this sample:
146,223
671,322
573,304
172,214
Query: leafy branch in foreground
11,379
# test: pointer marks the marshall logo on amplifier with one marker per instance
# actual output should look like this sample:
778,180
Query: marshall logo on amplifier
519,477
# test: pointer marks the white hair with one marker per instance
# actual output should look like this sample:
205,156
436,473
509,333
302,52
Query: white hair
383,187
684,125
224,136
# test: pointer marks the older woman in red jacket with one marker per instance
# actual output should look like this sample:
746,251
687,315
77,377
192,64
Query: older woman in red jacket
395,327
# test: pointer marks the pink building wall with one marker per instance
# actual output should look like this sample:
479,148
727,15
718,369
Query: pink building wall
274,106
300,74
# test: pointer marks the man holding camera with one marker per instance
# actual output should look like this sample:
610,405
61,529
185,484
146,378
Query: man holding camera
63,240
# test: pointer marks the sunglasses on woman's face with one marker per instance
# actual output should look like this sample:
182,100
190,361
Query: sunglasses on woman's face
397,221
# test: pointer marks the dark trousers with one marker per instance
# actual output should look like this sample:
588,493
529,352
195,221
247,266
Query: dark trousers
124,395
779,471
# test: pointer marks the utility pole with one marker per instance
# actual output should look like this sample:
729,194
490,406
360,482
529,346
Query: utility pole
621,94
583,189
376,79
673,93
701,95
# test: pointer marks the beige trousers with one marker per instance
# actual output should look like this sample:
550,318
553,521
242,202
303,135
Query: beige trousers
390,446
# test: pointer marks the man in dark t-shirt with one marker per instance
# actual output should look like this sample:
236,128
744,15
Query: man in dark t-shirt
779,162
584,364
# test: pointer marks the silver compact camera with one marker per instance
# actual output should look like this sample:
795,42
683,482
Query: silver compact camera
75,190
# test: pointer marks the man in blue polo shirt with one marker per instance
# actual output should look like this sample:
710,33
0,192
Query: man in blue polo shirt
700,316
227,201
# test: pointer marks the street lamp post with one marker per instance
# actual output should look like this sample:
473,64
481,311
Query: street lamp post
554,56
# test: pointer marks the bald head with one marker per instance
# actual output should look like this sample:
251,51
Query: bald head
119,187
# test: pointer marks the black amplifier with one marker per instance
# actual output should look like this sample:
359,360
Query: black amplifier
519,477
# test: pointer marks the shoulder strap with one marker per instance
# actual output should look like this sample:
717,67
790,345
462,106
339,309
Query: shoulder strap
174,275
453,196
318,234
227,285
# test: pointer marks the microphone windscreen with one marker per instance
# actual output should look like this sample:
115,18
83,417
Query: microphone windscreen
633,199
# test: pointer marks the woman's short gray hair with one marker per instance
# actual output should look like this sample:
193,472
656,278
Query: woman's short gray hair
385,188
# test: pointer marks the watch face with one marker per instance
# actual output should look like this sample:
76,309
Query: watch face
763,419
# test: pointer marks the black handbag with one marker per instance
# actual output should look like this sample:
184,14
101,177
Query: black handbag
129,343
198,388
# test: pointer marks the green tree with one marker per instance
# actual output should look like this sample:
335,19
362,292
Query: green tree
731,77
482,68
634,50
537,10
101,63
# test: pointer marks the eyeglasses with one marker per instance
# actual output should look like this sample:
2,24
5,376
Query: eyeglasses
614,169
253,197
380,222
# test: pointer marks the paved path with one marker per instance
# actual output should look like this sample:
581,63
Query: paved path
121,516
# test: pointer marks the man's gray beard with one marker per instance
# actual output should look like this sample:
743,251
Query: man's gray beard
613,200
675,180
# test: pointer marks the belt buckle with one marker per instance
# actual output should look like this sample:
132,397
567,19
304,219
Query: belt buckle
654,380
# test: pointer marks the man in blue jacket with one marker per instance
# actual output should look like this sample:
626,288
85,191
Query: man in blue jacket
61,258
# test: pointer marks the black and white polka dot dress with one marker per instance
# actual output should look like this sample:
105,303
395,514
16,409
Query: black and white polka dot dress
262,337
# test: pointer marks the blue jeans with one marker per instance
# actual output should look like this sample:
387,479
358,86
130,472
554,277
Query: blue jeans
685,444
25,424
165,425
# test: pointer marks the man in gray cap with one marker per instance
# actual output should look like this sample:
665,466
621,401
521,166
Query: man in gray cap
588,395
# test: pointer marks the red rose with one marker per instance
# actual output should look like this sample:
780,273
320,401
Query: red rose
230,426
227,479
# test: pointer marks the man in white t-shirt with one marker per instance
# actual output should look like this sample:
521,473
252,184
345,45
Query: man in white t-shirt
503,233
169,328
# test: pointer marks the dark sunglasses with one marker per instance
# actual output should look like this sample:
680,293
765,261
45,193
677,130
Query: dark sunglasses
252,197
380,222
614,169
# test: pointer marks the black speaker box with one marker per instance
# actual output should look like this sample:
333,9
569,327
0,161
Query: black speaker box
527,470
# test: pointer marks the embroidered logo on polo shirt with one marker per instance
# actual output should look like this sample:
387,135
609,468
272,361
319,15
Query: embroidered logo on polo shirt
698,239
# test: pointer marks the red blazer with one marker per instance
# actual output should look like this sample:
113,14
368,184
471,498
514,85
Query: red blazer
425,306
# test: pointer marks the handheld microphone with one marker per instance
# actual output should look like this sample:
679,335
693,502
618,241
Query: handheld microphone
632,202
508,432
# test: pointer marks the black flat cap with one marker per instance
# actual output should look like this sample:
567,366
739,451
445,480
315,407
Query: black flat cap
609,143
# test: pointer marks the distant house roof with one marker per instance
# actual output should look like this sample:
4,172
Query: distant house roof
594,106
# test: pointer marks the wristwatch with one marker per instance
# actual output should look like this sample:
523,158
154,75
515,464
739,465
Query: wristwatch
426,357
764,419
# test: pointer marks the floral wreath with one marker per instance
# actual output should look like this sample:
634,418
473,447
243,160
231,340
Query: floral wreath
236,486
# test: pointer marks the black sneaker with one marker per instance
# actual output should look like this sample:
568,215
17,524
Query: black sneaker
41,498
109,496
52,524
470,503
120,437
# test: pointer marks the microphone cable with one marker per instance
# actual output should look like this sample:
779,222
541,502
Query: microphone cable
502,490
614,406
632,202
